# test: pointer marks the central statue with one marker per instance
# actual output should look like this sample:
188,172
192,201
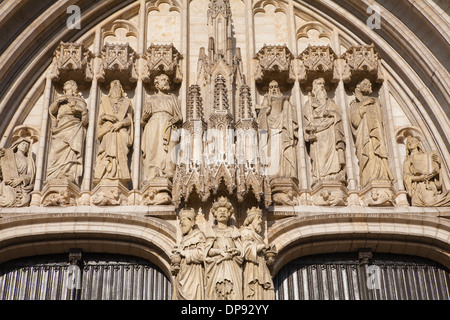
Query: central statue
223,255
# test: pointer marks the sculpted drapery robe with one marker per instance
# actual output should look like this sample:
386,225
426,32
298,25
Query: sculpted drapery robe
278,127
112,155
258,284
190,280
327,152
165,112
370,141
13,166
425,193
223,276
68,133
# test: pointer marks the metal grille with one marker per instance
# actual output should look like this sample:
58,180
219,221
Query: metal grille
104,277
341,277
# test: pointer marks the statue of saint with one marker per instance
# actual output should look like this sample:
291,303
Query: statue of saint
68,116
422,176
367,126
115,133
161,114
278,127
223,255
17,173
323,128
188,260
258,284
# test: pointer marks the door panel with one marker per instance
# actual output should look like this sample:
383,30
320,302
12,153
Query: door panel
103,277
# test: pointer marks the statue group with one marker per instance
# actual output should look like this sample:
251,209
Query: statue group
222,262
278,124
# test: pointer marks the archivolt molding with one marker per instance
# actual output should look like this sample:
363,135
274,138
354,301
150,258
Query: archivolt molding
24,234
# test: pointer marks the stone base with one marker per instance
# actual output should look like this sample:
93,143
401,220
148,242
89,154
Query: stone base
110,193
158,191
58,192
378,193
285,191
329,193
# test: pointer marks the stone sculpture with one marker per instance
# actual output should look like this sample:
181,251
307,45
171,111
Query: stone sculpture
323,128
187,261
278,126
17,173
370,142
69,119
257,280
223,255
422,176
115,134
161,115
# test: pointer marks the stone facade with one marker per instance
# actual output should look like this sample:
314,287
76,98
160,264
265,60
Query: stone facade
277,107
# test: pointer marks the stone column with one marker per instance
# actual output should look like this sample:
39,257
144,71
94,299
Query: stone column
185,52
396,163
138,102
90,134
42,151
350,156
297,93
250,48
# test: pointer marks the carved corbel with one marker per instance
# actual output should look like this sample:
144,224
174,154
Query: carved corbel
317,62
118,63
72,61
162,59
274,62
361,62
